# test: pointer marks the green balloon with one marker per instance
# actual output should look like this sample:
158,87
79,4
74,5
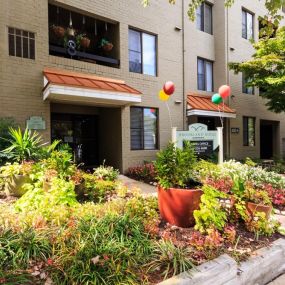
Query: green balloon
217,99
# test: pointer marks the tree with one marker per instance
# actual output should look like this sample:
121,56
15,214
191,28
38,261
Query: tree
266,70
273,7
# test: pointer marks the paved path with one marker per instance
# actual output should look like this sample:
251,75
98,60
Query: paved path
131,183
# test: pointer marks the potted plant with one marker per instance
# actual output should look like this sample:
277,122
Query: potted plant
59,31
106,45
257,201
15,176
83,41
78,180
49,175
178,193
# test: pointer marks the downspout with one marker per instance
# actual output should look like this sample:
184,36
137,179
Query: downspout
228,82
183,68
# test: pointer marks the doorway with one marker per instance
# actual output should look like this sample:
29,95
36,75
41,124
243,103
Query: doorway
80,132
268,139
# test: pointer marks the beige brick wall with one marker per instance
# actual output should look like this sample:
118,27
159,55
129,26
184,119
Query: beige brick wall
21,80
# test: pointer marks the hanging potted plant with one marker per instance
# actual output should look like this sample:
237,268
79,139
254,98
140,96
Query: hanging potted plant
257,201
178,193
58,31
106,45
83,41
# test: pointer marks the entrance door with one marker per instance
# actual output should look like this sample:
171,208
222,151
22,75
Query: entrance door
80,132
266,141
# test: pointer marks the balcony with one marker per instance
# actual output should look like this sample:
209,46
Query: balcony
80,37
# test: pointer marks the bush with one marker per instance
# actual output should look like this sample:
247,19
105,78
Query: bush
106,173
145,172
175,167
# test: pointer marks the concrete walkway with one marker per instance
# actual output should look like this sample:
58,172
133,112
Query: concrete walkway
278,281
131,183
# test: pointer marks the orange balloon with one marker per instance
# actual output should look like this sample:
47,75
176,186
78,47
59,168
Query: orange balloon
163,96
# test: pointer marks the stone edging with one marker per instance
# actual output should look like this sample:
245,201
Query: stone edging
263,266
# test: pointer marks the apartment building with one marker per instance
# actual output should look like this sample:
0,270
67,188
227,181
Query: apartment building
221,35
89,73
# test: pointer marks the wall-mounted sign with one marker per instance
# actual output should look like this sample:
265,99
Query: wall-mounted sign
234,130
205,141
36,123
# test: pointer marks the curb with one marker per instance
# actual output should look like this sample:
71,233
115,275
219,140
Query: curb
263,266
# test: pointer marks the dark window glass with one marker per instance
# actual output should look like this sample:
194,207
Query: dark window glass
205,75
246,89
247,25
204,18
143,128
21,43
142,52
248,131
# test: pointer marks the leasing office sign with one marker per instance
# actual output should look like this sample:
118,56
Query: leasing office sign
204,141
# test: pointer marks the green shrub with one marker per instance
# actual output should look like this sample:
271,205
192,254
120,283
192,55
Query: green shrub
170,259
211,214
106,173
175,166
22,145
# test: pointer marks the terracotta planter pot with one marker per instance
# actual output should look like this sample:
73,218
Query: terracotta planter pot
253,208
108,47
58,31
176,206
46,186
79,190
14,186
85,42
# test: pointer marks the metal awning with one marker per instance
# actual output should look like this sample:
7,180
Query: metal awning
201,105
72,87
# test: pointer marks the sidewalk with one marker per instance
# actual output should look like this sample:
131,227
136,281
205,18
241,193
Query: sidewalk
131,183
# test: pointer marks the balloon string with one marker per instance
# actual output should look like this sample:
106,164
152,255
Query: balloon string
169,114
220,115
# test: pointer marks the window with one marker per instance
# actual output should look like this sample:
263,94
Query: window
204,18
205,75
21,43
144,128
247,25
142,52
248,131
246,89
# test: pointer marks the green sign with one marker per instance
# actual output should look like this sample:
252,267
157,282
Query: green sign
36,123
198,133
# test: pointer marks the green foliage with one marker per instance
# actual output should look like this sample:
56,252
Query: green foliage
257,196
95,189
18,248
106,173
23,145
5,124
211,213
171,259
266,70
175,166
60,193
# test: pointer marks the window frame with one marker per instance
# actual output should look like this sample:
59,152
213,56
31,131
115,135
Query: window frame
205,74
246,11
244,87
141,32
203,17
31,37
246,137
143,128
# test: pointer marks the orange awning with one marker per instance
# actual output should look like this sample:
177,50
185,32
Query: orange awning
63,85
202,105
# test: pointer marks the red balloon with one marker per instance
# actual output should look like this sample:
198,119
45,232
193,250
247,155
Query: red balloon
169,88
225,91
